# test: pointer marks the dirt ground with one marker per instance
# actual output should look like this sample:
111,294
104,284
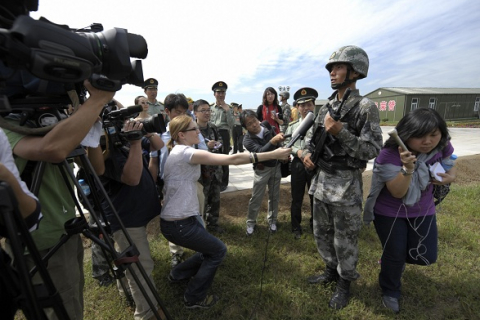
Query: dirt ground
234,204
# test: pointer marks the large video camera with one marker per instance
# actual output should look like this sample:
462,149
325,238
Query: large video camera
58,53
42,64
113,121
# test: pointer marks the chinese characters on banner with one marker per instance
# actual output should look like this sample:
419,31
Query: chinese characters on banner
391,105
383,105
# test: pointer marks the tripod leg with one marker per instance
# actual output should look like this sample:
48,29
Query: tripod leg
139,237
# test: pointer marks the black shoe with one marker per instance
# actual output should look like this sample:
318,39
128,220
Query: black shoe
330,275
391,303
105,280
297,234
208,302
223,188
215,229
172,280
341,296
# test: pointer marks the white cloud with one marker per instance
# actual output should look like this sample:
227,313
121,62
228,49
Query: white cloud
255,44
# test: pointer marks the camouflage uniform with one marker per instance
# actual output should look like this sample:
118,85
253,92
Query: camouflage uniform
338,195
211,179
287,112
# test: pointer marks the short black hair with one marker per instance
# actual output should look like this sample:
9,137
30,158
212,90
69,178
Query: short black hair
247,114
198,103
174,100
418,123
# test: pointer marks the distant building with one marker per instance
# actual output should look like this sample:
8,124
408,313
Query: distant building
451,103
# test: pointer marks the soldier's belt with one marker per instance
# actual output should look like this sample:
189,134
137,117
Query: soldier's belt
330,167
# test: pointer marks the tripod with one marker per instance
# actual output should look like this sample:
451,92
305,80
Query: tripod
123,260
17,282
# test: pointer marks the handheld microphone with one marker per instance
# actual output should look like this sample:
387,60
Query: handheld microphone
302,129
394,134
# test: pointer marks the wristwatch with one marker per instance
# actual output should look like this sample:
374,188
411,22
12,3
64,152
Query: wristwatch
405,172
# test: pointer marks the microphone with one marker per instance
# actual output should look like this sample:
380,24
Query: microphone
394,134
302,129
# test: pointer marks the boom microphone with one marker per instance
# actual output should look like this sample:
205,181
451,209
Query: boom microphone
302,129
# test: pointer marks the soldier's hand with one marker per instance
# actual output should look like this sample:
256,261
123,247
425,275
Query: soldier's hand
307,162
333,127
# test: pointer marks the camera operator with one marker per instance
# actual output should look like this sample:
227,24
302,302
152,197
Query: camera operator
66,265
29,208
131,188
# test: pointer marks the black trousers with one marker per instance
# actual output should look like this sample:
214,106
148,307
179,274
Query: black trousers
237,137
299,179
225,134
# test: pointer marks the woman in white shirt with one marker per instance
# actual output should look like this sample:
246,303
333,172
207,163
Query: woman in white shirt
180,219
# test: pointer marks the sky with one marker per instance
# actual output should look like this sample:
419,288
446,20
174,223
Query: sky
255,44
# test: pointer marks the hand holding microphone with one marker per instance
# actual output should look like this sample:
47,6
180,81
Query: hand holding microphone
302,129
407,158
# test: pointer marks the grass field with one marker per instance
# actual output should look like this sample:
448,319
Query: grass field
264,277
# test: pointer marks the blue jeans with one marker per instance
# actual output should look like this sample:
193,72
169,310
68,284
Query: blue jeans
202,266
402,244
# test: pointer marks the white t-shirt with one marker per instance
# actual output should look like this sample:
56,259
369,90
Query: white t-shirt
6,158
180,179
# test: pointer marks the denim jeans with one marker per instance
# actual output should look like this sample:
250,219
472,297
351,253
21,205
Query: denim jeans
202,266
402,244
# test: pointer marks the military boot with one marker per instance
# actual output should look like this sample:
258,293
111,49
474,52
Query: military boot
330,275
341,295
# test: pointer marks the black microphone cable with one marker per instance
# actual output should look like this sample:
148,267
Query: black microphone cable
265,256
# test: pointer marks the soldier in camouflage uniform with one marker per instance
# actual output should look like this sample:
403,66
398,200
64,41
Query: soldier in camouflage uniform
337,185
284,95
211,176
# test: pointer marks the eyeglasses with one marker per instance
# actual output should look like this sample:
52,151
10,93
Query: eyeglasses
191,129
205,111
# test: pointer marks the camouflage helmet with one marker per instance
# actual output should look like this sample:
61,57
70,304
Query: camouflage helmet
285,94
354,56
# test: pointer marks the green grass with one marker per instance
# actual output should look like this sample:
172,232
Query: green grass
449,289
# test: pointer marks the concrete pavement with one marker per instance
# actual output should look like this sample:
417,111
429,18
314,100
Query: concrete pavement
466,141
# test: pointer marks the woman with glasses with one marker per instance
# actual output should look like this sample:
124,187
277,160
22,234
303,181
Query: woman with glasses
180,219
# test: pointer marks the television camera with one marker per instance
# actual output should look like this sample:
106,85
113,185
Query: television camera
113,123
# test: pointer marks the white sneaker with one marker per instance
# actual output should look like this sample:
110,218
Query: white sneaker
250,231
273,228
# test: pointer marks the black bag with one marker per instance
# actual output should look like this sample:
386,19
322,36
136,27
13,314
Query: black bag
440,192
286,167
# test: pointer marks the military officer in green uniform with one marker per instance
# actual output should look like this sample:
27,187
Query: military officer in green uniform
222,117
339,161
150,87
300,177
